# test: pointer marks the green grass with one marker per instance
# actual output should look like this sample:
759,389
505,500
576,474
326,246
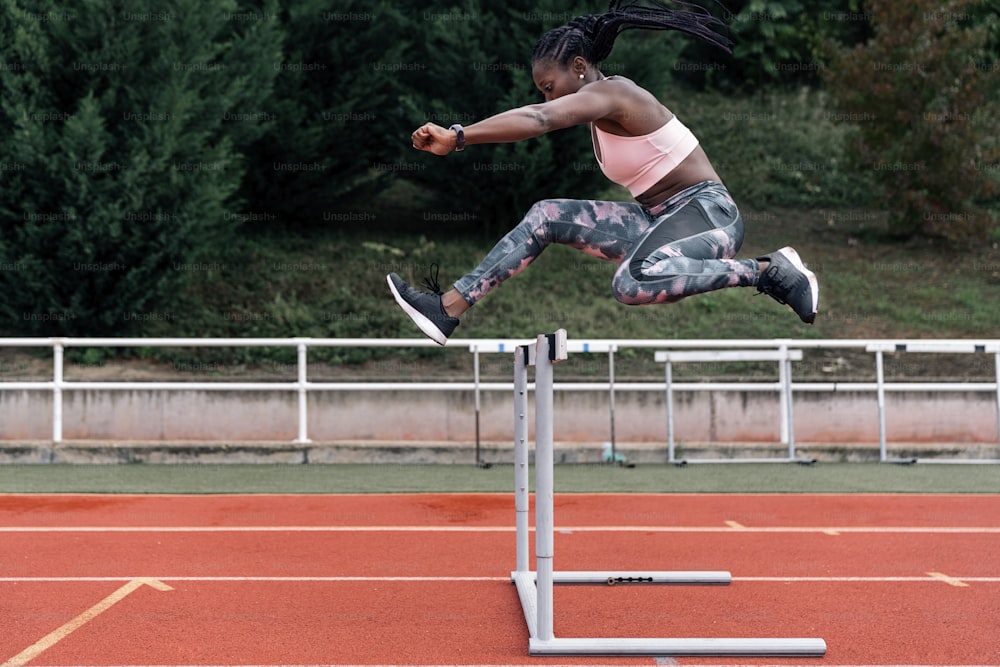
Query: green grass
708,478
872,287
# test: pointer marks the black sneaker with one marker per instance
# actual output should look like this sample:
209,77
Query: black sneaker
426,310
788,281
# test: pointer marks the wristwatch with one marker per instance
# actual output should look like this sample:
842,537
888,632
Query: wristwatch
460,131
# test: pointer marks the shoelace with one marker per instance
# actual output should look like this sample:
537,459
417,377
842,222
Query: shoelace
769,286
431,281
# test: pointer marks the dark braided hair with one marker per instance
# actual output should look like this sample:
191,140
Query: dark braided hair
593,36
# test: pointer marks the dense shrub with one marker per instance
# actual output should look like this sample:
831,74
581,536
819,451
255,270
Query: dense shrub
778,44
925,93
778,149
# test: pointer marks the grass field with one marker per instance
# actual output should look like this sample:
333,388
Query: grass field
872,287
707,478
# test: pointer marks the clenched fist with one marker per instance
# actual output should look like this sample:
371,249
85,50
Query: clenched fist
434,139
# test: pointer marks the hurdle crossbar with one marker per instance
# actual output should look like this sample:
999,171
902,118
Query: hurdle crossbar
535,588
580,346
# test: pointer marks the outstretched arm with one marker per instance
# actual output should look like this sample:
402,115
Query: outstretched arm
533,120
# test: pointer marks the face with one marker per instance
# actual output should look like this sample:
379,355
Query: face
555,80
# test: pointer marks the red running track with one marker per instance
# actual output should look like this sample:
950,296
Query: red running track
424,579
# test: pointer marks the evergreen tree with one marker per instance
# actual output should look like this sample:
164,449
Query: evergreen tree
778,43
473,60
327,137
123,122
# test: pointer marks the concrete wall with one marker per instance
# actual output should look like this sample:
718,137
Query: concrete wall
408,416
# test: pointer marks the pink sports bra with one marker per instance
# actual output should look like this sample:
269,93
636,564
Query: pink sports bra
638,163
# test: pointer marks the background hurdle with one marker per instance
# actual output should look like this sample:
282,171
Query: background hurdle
953,347
783,356
535,588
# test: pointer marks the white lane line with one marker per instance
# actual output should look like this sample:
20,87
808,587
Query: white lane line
930,577
951,581
828,530
551,664
250,578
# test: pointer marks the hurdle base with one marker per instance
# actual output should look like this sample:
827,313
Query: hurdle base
642,578
961,461
527,591
597,578
801,461
525,581
528,594
626,646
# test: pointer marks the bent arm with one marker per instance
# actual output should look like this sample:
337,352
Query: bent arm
585,106
535,120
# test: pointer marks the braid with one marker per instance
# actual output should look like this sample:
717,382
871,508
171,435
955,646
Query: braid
593,36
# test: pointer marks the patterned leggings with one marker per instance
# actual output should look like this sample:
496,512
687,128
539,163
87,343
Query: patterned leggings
681,247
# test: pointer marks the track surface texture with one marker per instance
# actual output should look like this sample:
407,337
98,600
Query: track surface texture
424,579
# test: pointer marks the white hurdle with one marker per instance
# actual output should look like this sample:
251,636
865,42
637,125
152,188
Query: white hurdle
783,356
945,347
535,588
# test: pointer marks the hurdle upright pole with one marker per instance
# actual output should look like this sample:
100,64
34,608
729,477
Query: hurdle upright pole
996,370
787,401
521,498
880,398
669,378
544,474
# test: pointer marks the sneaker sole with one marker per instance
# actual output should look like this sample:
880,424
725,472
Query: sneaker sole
423,323
793,256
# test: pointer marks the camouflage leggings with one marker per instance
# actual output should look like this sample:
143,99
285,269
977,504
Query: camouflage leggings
681,247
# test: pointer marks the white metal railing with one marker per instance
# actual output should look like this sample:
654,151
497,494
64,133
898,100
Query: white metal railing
302,385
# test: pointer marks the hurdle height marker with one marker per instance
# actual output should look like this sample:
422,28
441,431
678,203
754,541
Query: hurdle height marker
535,588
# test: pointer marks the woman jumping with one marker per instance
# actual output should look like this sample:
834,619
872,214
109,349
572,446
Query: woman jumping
681,236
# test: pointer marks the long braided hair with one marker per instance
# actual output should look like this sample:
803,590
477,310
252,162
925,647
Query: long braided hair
593,36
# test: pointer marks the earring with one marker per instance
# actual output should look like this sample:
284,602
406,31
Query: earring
581,76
